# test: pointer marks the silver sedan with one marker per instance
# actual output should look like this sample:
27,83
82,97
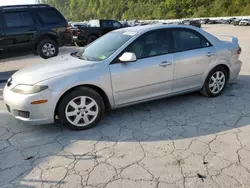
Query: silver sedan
124,67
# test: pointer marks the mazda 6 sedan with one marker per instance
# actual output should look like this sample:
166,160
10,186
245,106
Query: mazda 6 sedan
124,67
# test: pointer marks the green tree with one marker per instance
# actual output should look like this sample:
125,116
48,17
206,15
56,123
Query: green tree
79,10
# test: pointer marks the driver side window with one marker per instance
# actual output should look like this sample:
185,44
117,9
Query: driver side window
150,44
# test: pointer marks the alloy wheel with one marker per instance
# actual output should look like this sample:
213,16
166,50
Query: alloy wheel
217,82
81,111
48,49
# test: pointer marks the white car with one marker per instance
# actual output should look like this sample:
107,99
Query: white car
124,67
244,22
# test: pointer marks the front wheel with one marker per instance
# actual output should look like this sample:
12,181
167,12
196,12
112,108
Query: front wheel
81,109
215,82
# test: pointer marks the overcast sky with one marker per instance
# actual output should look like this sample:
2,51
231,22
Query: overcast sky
16,2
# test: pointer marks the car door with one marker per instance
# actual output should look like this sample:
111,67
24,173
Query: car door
150,76
19,28
193,53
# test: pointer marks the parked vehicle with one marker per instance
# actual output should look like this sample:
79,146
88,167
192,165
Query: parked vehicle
231,20
40,28
204,21
236,22
195,23
212,22
75,31
220,21
226,21
244,22
124,67
86,35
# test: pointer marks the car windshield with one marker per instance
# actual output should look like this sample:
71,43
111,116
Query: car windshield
105,46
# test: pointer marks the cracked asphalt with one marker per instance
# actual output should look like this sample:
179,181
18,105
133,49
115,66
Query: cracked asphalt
186,141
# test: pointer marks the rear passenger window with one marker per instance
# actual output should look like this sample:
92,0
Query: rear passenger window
49,16
18,19
185,39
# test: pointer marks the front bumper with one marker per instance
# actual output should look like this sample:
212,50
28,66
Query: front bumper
20,105
243,24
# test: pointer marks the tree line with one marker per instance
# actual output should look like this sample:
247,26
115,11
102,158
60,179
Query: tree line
79,10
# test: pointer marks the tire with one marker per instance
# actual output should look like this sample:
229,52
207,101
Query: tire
47,48
81,112
91,39
214,85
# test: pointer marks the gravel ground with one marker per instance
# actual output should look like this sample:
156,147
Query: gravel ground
186,141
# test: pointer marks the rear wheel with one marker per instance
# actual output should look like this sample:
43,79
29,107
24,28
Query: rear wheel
47,48
215,82
81,109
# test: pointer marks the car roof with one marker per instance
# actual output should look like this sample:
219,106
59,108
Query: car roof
11,7
145,28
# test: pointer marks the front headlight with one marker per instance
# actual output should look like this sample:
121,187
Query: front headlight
28,89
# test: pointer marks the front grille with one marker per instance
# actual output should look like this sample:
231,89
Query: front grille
23,114
8,108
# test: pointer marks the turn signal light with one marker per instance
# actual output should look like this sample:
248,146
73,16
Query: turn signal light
39,102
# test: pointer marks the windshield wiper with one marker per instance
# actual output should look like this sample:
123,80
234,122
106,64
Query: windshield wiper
83,57
79,56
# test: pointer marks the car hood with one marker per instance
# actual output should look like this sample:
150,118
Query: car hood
51,68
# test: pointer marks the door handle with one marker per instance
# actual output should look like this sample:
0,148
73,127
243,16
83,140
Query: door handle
165,63
209,54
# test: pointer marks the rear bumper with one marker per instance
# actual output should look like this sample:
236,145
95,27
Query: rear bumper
235,70
66,39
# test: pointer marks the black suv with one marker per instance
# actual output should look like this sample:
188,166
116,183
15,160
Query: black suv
40,28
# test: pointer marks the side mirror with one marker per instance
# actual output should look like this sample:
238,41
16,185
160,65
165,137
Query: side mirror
128,57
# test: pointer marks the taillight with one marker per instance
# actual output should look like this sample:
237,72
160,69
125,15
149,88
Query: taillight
68,26
239,51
